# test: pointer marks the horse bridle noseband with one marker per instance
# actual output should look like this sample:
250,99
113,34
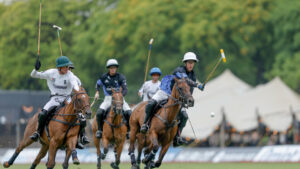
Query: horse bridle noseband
180,100
77,111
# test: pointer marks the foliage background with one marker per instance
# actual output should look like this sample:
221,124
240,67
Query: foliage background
261,38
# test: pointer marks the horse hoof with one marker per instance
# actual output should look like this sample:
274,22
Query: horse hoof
135,166
157,165
76,162
114,166
144,161
151,164
103,156
6,165
65,166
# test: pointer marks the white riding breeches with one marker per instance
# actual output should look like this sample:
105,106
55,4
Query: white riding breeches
160,95
54,101
107,103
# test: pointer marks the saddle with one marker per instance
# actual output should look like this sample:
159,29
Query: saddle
52,111
106,115
158,106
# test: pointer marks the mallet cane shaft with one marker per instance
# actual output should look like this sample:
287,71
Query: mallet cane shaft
148,58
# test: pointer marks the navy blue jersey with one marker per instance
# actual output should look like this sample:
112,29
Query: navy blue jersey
107,83
167,82
191,76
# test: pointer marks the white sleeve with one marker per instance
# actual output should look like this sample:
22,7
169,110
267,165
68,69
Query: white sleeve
41,75
142,88
78,80
74,83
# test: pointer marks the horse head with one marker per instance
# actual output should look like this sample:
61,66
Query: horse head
81,102
183,92
117,101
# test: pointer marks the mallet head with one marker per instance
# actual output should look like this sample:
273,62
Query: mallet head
57,27
151,41
223,55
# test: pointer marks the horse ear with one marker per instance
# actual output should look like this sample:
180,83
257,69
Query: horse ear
176,79
121,89
113,90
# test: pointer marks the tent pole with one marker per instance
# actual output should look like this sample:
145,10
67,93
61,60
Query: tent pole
294,125
18,126
222,130
260,133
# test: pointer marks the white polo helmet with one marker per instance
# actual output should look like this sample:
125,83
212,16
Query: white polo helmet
112,62
190,56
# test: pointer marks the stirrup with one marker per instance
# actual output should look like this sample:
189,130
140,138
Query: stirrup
128,135
178,141
84,140
144,128
79,146
99,134
35,136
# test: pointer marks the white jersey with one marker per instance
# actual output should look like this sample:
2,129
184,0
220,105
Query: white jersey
149,89
58,84
78,80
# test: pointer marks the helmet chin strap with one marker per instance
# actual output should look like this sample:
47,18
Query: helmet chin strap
61,72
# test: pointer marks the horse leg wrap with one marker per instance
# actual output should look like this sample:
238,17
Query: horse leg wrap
99,162
33,166
116,154
12,159
103,155
132,157
74,154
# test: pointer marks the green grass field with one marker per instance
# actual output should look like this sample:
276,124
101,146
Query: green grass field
184,166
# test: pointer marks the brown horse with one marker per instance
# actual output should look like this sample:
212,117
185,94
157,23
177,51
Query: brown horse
63,132
163,126
114,130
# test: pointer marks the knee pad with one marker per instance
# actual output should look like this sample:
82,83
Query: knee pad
151,104
127,113
43,113
100,113
184,114
82,124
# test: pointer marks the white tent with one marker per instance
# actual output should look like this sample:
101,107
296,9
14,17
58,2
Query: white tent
272,101
216,95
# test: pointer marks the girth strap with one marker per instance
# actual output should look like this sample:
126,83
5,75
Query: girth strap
112,125
168,125
66,123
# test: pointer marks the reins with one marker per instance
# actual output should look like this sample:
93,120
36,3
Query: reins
177,102
76,112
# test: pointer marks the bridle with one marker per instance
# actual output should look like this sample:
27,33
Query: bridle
114,105
182,96
75,106
114,109
79,110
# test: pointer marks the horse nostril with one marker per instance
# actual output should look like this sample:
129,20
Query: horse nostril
191,102
88,114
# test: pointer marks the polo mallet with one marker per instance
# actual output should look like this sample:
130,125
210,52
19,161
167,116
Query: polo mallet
148,58
39,35
192,128
214,69
58,29
93,102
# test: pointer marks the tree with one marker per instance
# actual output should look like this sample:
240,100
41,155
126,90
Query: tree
286,43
